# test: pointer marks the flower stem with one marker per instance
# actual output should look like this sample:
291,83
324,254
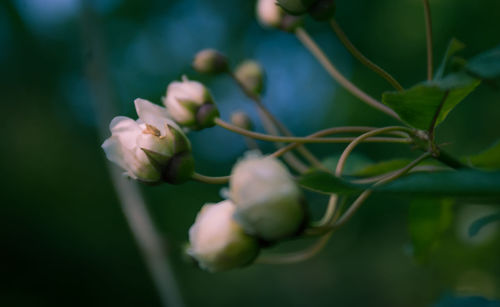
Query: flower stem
363,59
303,140
363,196
309,43
270,121
428,34
209,179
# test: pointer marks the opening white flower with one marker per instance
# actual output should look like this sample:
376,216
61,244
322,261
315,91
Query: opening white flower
145,147
217,242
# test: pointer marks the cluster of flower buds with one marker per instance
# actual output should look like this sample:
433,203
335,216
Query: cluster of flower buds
154,148
266,206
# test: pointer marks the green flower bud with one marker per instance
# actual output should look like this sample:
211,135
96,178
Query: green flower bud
269,204
210,61
271,15
322,10
149,148
217,242
251,76
295,7
241,119
190,104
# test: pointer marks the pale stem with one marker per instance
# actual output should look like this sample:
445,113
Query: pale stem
301,140
296,256
363,59
359,140
264,114
428,35
307,41
363,196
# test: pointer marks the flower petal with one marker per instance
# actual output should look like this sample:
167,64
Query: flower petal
153,114
126,130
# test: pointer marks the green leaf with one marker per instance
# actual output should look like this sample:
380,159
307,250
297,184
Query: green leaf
428,220
487,159
480,223
417,105
355,163
485,65
324,182
450,183
454,46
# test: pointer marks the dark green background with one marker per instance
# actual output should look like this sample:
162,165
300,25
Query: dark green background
64,240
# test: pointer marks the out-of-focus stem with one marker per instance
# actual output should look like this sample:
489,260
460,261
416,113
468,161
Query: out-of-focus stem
428,35
363,59
147,237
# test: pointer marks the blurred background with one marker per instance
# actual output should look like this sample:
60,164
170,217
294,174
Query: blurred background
65,240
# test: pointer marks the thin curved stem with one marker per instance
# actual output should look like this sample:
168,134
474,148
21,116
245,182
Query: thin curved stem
363,196
428,35
296,256
264,113
309,43
363,59
359,140
301,140
209,179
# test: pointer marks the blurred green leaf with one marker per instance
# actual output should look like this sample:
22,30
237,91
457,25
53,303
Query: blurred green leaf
428,220
417,105
382,167
354,164
486,65
324,182
452,183
454,46
480,223
487,159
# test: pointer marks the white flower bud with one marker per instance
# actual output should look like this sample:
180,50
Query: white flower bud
271,15
210,61
217,242
241,119
251,75
146,148
190,104
268,201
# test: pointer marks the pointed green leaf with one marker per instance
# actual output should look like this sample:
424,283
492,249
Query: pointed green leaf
417,105
488,159
486,65
454,46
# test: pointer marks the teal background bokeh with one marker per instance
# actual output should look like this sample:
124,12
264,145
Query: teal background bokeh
64,238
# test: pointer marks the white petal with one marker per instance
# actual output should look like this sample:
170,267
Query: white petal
126,130
113,150
153,114
187,90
